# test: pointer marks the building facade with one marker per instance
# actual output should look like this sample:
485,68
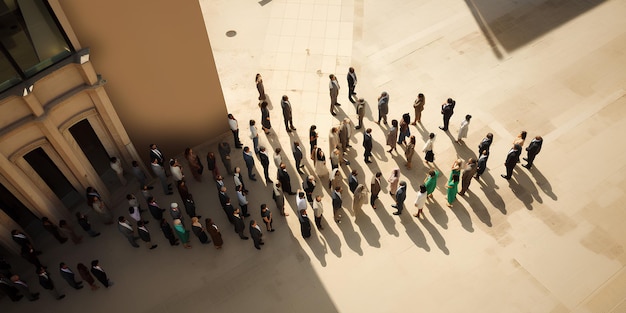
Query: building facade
61,119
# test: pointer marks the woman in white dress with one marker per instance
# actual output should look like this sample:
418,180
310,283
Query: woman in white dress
463,129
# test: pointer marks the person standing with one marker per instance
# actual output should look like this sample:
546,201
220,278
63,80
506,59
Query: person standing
319,160
255,232
359,199
259,86
239,225
383,107
254,135
127,230
243,201
375,188
116,166
429,156
277,157
360,111
418,105
159,171
447,110
168,232
83,271
481,164
367,144
283,178
392,135
532,150
234,128
224,151
156,154
265,162
176,170
287,114
46,282
85,225
333,85
300,201
266,123
485,144
351,84
238,179
195,165
469,172
345,134
6,287
453,187
313,135
100,274
404,131
318,210
305,224
155,210
393,181
198,230
520,139
23,288
141,176
175,212
279,198
249,159
214,232
336,181
144,235
190,206
266,215
353,182
456,169
512,158
298,154
463,130
53,229
333,138
182,233
69,276
309,186
431,182
421,201
410,150
337,204
400,197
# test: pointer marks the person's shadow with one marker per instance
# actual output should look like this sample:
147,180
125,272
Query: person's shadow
478,207
438,213
333,241
543,183
318,247
413,231
386,219
518,189
486,181
439,240
367,229
352,238
463,216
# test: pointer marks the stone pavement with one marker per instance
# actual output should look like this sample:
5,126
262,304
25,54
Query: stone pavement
549,240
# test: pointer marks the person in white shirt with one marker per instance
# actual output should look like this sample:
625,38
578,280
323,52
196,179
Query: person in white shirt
254,135
116,165
421,200
428,149
177,170
318,210
277,157
234,127
301,200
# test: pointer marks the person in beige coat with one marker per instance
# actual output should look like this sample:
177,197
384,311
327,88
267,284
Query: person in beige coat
409,152
359,199
375,188
418,105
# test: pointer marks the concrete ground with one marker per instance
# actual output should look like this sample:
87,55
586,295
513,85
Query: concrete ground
549,240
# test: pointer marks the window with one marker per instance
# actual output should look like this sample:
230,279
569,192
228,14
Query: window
30,40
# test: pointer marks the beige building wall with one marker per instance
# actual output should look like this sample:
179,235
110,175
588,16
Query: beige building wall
159,67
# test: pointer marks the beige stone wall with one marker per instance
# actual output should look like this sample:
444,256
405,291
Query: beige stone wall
158,63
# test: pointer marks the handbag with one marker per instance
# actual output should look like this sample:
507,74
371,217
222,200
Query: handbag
430,156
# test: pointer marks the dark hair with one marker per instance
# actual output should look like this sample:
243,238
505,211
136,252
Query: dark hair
394,123
94,263
263,206
121,218
523,134
490,135
455,178
113,159
62,222
422,188
135,163
431,136
378,174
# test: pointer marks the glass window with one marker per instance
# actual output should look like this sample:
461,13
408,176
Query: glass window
30,40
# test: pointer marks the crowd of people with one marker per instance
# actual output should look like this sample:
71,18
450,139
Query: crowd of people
307,194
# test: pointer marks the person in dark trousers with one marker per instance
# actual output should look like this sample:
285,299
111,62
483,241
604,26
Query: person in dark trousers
127,230
447,110
305,224
287,114
24,289
239,225
532,150
351,84
485,144
400,197
283,178
298,154
512,158
100,274
353,182
85,225
155,210
168,232
265,162
234,127
367,144
53,229
257,235
249,159
7,288
144,235
46,282
69,276
481,164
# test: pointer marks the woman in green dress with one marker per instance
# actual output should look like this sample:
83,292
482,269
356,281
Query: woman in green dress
431,182
453,188
456,169
182,233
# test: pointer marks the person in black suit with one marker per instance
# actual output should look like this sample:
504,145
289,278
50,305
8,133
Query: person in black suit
485,144
144,235
481,164
223,196
155,210
298,155
400,197
447,109
239,225
265,162
351,84
256,234
100,274
512,158
305,224
69,276
85,225
309,186
532,150
249,159
367,144
287,113
21,239
24,289
353,182
46,282
337,203
283,178
7,288
168,232
156,154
